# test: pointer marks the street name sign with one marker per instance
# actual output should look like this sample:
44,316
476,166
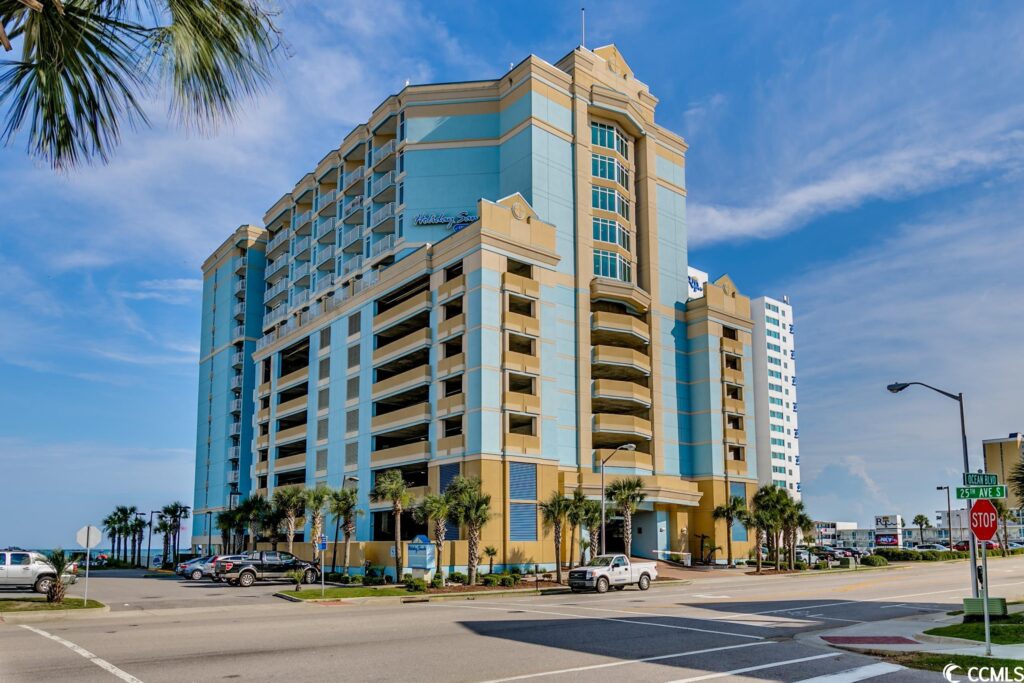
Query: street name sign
978,492
984,520
980,479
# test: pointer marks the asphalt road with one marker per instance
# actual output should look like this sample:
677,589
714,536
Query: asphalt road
740,627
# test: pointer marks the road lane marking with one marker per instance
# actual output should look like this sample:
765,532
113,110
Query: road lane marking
902,604
759,667
861,673
101,663
804,608
627,661
710,596
616,620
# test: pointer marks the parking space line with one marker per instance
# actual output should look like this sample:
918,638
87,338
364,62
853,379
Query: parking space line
624,662
509,608
739,618
861,673
759,667
102,663
807,607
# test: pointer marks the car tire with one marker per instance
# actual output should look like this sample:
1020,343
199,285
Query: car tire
196,574
43,584
644,583
309,576
602,585
246,579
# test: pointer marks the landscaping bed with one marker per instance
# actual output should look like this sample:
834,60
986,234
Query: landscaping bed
1008,630
40,604
357,591
937,662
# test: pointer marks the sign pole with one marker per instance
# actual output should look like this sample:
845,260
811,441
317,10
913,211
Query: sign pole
88,555
984,586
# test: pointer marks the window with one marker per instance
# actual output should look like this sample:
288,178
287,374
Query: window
522,521
775,373
604,135
352,420
610,231
325,368
522,477
321,429
323,399
452,426
351,454
453,271
609,168
522,424
607,199
778,442
352,388
353,356
775,401
321,459
778,470
771,321
519,268
453,386
774,347
20,559
778,456
772,333
355,323
777,428
774,361
776,414
325,338
611,265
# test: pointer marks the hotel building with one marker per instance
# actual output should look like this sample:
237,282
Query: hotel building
489,278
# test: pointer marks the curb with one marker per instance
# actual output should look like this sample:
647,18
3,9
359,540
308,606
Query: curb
43,615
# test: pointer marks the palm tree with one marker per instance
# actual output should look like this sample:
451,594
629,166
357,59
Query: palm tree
121,521
270,524
163,527
60,563
1004,515
436,508
553,511
316,500
85,68
176,511
251,512
226,526
342,506
110,525
591,519
491,552
139,526
731,510
921,521
771,503
390,487
289,502
577,505
1016,481
626,494
471,509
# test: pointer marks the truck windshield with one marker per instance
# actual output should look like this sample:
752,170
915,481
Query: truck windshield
601,561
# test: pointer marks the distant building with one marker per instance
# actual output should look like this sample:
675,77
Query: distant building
827,532
889,531
858,537
1001,456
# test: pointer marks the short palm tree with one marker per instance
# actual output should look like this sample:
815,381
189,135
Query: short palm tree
86,66
490,552
770,503
289,502
315,500
270,524
730,511
437,509
591,520
226,527
553,511
1004,515
1015,480
626,494
342,505
574,517
921,521
471,509
252,510
60,563
390,487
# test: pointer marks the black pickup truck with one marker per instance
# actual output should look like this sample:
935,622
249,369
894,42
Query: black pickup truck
264,565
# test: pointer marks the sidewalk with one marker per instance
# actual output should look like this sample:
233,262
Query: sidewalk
907,635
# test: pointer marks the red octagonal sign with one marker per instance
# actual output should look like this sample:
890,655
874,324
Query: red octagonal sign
984,520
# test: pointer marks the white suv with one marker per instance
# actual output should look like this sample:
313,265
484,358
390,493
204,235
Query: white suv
24,568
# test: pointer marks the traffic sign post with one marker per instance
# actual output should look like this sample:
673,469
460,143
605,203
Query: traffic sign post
984,523
979,492
322,545
88,537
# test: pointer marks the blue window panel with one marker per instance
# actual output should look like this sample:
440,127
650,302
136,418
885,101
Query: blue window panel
522,481
522,521
451,531
739,532
447,473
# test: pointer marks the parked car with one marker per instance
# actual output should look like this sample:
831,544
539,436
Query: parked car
931,546
806,557
612,571
189,567
825,552
209,568
965,546
27,569
264,565
1013,545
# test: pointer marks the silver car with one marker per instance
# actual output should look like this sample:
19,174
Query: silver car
27,569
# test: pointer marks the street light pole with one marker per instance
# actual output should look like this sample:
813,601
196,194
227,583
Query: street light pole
623,447
897,387
949,514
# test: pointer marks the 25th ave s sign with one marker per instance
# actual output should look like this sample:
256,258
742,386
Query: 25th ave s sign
977,492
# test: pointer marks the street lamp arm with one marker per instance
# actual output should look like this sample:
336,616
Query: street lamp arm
955,397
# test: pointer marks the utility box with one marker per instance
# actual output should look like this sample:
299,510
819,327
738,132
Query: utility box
975,607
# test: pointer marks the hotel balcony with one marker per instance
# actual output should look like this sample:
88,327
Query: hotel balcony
352,240
510,282
517,322
606,289
240,288
300,298
636,459
263,441
405,380
369,279
451,365
302,223
735,436
324,281
325,200
417,303
289,462
234,453
522,443
261,468
452,288
450,445
619,362
232,476
325,229
384,156
383,219
731,375
521,362
236,405
293,406
419,339
236,383
302,273
351,179
521,403
452,326
352,213
237,332
276,293
237,359
238,310
275,270
293,377
384,247
325,258
275,315
242,264
733,405
615,325
263,415
279,240
735,466
451,405
614,391
291,434
235,429
403,417
622,424
732,346
302,248
263,389
383,188
410,451
350,267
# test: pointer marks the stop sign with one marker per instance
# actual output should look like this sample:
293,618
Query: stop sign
984,520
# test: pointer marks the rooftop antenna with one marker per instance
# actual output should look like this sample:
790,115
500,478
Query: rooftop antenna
583,26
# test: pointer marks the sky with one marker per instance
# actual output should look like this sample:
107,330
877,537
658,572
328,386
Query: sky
865,159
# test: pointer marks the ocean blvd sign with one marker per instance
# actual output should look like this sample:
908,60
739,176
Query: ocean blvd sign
453,223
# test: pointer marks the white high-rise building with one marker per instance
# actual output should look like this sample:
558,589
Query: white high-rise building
778,433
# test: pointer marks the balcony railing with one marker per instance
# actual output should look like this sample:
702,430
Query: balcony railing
235,429
300,298
239,309
242,264
234,453
303,218
380,184
237,358
351,266
238,331
236,405
351,236
325,226
240,286
382,214
351,208
351,177
383,152
278,288
301,247
279,239
232,476
236,382
275,266
324,255
368,280
323,281
383,246
302,271
325,199
275,315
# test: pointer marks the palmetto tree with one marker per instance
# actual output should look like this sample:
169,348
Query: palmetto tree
437,509
471,509
342,505
289,502
271,523
60,563
87,65
771,503
110,526
390,487
1004,515
1015,480
490,552
591,520
251,511
226,522
574,517
138,527
626,494
553,511
733,509
921,521
316,500
164,528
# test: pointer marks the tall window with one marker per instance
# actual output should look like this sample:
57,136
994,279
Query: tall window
610,231
607,199
609,264
609,168
604,135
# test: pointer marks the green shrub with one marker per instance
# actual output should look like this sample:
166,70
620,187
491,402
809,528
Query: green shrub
490,580
416,585
516,569
437,581
508,580
374,581
822,565
406,578
800,566
844,562
355,578
874,561
458,577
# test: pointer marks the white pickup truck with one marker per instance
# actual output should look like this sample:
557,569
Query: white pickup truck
612,571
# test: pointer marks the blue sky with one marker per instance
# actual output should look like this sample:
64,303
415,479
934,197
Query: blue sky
866,159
